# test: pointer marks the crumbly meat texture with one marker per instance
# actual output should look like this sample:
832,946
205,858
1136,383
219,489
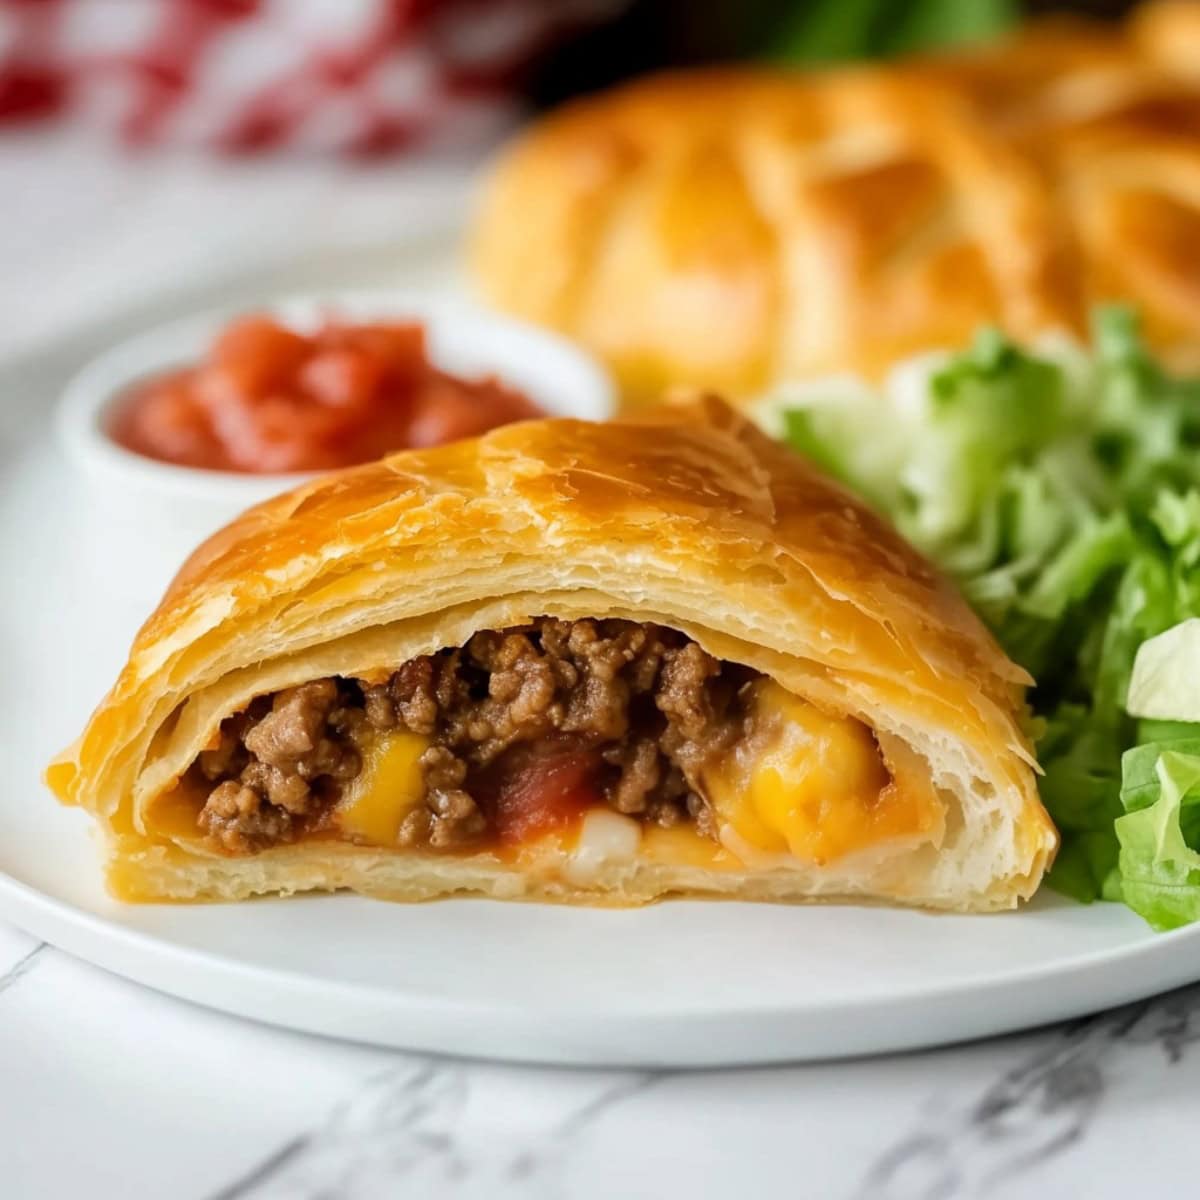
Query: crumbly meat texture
648,702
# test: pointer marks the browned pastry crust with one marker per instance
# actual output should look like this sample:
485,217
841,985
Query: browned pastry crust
700,523
735,228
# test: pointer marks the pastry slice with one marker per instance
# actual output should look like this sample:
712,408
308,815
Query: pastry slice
589,663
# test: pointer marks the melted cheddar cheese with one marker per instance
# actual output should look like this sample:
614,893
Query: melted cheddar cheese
387,788
685,845
809,784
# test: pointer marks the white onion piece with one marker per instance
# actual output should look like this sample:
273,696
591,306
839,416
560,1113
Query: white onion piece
604,837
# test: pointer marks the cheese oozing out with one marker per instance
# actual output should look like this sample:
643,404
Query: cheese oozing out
809,784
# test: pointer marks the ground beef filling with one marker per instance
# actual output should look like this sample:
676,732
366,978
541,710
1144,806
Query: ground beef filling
645,702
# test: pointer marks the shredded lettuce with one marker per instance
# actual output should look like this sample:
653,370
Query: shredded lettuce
1061,489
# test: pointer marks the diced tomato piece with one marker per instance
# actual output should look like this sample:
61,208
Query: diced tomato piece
259,355
169,420
278,434
447,409
543,791
398,347
444,414
343,379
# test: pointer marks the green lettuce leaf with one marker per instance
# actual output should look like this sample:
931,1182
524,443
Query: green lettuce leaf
1061,488
836,30
1159,864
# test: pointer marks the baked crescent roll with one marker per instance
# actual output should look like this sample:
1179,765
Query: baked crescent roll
601,663
735,228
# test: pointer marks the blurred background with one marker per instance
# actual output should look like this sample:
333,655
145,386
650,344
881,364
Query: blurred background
152,149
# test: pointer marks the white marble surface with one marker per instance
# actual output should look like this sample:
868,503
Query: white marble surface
107,1089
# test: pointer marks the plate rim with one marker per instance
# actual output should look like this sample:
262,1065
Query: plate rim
26,895
608,1037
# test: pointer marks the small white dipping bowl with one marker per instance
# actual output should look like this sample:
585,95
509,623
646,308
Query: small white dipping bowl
170,507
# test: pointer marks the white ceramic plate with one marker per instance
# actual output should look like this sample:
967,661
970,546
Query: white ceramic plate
680,984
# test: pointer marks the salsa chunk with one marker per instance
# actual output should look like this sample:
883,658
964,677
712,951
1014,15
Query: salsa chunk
269,399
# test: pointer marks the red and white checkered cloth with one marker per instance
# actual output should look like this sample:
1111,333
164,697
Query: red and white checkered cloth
362,77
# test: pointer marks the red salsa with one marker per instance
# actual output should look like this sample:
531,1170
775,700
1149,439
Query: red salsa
268,399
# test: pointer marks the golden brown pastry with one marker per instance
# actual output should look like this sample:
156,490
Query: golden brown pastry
732,229
582,662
